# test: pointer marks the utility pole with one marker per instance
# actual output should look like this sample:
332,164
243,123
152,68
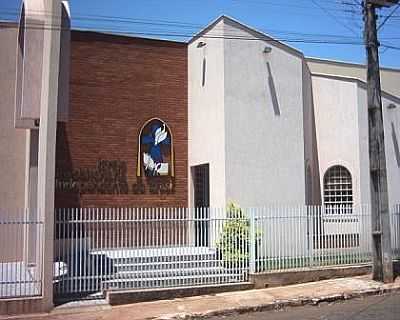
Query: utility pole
380,220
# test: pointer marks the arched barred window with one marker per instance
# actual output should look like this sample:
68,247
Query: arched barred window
338,190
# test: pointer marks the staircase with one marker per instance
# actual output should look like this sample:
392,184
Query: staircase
166,267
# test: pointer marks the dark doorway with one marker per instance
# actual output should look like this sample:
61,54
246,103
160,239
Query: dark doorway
201,183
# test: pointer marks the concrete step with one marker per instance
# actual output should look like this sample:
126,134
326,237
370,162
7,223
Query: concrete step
161,259
172,273
164,282
123,266
156,255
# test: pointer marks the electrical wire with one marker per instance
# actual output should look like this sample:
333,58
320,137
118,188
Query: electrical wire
301,37
334,17
291,6
388,17
196,27
214,36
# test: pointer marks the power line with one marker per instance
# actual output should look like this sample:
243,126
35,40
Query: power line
280,4
352,20
287,33
102,17
212,36
291,6
195,27
177,24
388,17
391,47
333,17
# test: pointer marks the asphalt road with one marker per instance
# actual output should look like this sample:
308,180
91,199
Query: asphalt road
371,308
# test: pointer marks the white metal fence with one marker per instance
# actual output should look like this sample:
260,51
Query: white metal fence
21,241
100,249
298,237
122,248
395,231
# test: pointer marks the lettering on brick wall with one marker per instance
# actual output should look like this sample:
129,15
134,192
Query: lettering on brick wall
110,177
156,185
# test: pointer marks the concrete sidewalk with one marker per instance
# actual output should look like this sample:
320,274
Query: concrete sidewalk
227,303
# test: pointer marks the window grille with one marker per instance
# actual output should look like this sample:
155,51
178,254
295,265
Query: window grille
338,190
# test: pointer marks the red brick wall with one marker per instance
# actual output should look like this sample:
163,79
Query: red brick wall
117,83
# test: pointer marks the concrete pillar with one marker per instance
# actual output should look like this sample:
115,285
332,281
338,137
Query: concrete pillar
32,255
47,141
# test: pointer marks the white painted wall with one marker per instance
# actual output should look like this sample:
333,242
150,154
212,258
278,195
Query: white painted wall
12,141
206,114
391,118
258,153
342,131
264,146
363,146
337,128
255,149
312,181
390,78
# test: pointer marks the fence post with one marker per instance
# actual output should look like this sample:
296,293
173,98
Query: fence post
310,235
252,242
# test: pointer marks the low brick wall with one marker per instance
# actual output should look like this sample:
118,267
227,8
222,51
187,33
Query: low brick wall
9,307
131,296
268,279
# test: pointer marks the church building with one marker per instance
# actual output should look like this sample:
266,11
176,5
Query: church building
232,115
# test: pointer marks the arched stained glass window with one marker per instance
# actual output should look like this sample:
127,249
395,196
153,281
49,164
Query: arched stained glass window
155,154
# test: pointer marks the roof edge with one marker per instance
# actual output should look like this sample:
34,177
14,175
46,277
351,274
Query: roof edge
208,27
344,63
8,23
259,34
124,36
362,83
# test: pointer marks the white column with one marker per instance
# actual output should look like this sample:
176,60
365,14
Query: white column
32,255
47,141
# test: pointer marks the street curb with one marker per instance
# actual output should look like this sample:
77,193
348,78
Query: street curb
278,304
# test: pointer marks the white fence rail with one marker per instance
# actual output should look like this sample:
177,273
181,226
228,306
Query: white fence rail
21,241
122,248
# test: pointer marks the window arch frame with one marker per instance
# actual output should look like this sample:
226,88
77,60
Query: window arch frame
338,195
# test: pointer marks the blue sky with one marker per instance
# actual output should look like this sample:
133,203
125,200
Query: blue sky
300,20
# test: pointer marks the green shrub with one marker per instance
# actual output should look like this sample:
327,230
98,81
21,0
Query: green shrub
234,242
